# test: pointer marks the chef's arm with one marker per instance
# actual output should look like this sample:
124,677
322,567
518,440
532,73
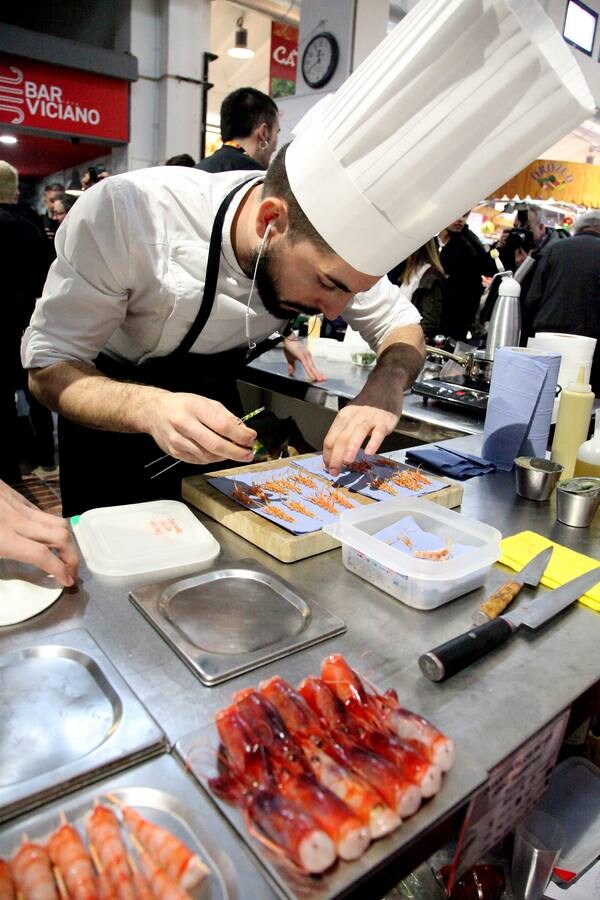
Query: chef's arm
186,426
375,412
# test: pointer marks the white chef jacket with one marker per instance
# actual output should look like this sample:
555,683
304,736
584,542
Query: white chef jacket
130,270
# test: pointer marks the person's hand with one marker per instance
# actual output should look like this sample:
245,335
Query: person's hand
197,430
295,351
349,429
29,535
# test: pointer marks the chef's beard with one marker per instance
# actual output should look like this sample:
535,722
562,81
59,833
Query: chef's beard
268,290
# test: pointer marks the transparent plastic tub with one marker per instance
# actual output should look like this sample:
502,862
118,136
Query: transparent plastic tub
421,583
160,538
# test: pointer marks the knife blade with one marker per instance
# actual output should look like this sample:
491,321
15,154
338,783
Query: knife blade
530,574
456,654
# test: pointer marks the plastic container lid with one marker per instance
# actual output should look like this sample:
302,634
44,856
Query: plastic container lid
573,799
143,539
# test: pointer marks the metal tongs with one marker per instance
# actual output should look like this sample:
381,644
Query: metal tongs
172,465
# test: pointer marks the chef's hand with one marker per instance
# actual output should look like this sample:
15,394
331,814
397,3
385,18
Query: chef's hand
198,430
350,428
295,351
375,412
29,535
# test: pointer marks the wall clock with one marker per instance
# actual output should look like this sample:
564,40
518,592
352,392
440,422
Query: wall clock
320,59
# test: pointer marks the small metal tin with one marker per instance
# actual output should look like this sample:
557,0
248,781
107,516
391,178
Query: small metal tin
535,477
577,501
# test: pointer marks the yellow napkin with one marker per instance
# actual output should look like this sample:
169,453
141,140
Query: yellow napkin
564,564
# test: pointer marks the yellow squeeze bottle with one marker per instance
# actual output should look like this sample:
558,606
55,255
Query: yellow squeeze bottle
314,328
588,455
572,423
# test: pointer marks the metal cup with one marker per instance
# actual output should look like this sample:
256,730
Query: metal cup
536,478
577,501
538,843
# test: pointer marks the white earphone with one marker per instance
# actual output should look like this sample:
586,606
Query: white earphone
251,343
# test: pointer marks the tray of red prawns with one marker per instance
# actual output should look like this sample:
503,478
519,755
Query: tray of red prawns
148,833
328,781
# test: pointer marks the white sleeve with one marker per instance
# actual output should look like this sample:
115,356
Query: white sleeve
85,296
376,312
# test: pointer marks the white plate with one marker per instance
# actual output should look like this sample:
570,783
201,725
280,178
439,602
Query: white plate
24,592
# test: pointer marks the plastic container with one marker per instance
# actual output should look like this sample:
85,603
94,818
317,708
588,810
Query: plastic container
588,455
160,538
573,799
421,583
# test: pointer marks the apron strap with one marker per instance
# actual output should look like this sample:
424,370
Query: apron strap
212,274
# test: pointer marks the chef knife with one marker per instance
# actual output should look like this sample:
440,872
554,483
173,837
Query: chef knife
530,574
459,652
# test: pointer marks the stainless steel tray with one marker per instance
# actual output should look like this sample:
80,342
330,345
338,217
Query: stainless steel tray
231,619
161,791
66,715
198,751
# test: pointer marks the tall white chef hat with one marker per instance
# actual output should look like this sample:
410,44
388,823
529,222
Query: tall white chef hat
460,96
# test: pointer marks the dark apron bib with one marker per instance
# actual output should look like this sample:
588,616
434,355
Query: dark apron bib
106,468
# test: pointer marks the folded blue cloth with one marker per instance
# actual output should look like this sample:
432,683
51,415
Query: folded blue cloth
454,464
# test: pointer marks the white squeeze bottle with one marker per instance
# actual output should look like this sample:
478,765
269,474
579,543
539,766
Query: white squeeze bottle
572,423
588,455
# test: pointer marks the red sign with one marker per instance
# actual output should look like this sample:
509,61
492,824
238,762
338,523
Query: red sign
52,98
284,58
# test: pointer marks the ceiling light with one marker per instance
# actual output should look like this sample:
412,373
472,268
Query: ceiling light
241,50
7,139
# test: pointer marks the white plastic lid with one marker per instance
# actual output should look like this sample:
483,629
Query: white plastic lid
143,538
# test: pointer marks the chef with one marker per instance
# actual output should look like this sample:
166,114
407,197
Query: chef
168,280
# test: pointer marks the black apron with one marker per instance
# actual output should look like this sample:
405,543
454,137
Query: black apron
106,468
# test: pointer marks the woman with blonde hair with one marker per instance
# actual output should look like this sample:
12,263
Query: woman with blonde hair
421,277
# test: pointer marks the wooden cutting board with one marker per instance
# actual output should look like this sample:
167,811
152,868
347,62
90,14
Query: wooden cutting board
281,544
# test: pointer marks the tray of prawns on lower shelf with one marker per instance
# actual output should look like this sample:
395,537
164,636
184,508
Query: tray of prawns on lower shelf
121,839
328,781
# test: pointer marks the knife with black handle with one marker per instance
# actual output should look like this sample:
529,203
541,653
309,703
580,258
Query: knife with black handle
459,652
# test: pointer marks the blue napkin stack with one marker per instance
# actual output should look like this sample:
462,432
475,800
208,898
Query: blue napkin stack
453,463
520,404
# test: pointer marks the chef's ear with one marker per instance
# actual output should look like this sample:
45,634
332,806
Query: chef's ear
272,212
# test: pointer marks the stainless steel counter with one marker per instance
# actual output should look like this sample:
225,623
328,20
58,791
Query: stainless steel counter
490,709
423,422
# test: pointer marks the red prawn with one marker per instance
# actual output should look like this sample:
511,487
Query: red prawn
32,872
68,853
7,885
103,830
169,853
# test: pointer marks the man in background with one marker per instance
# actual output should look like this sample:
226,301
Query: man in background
565,291
249,130
181,159
51,192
